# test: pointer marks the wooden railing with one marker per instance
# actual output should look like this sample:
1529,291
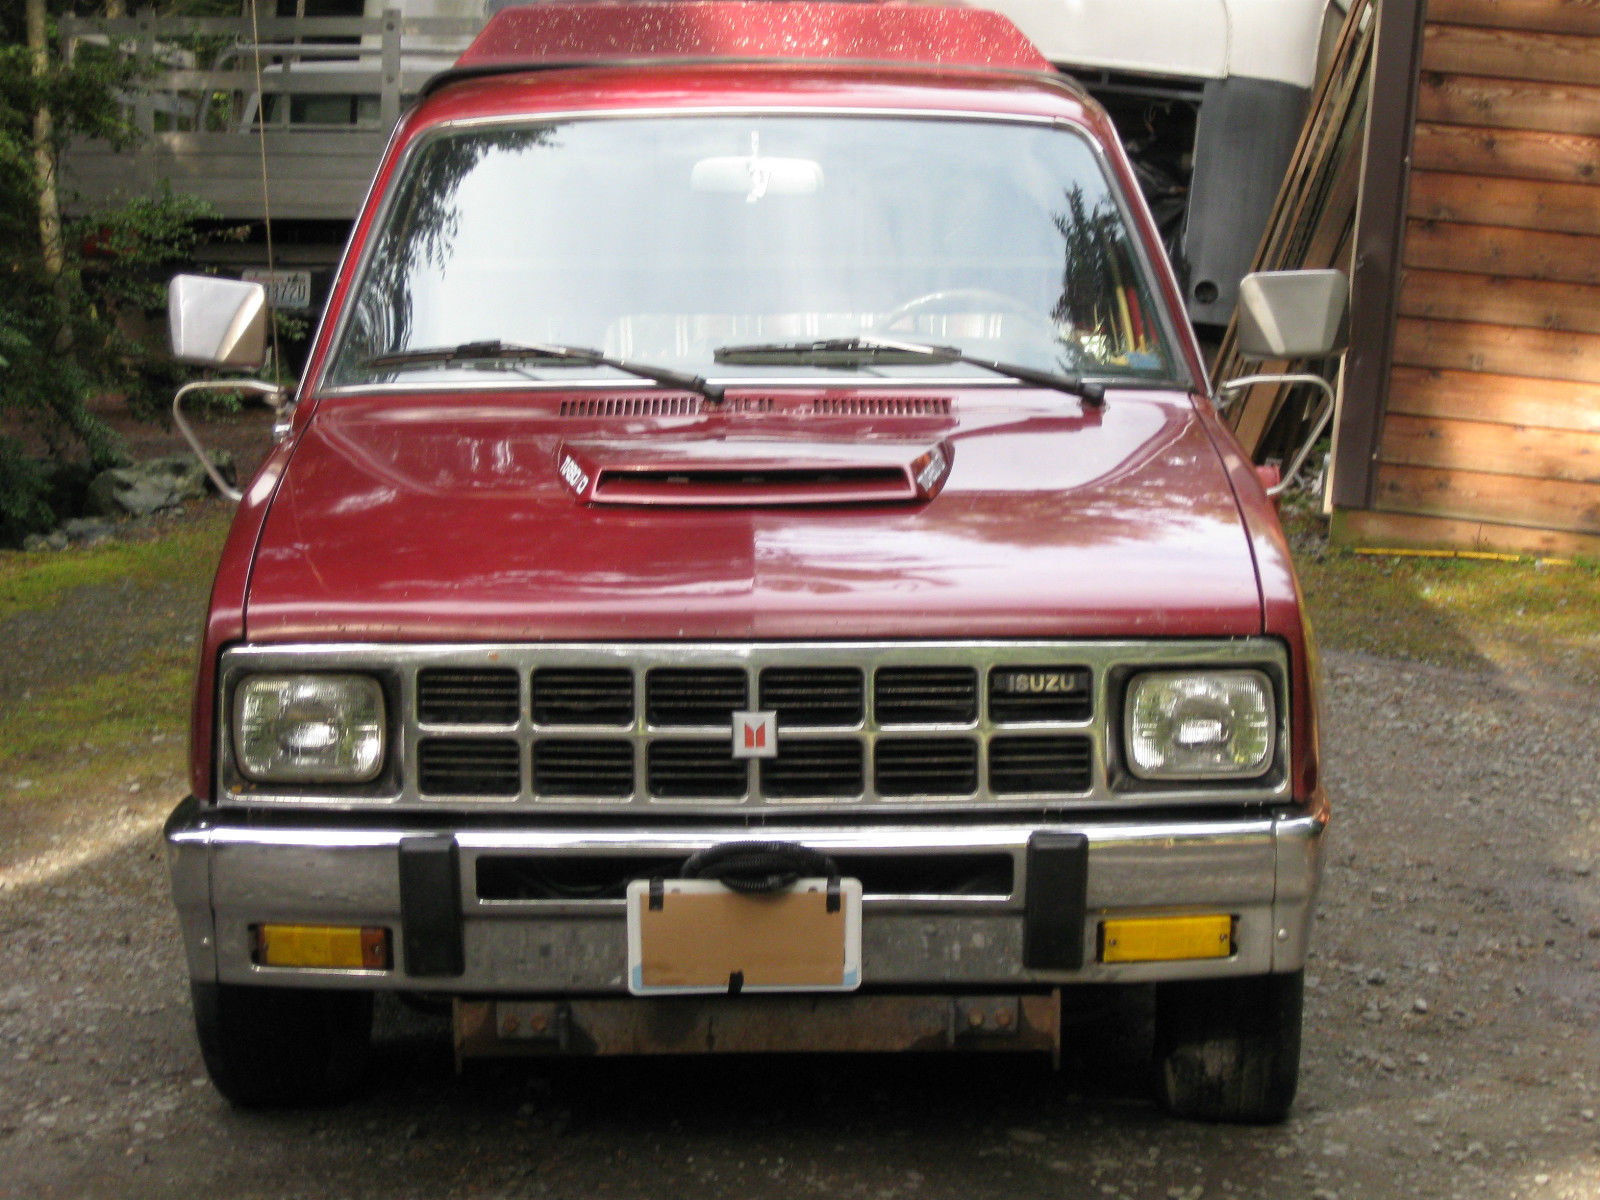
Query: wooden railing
322,92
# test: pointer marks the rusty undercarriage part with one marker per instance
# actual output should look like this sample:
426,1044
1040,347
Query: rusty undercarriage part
493,1028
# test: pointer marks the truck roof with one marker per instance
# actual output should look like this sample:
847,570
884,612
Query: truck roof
545,36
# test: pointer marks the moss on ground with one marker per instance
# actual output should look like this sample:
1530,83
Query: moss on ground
37,580
1523,615
92,720
84,732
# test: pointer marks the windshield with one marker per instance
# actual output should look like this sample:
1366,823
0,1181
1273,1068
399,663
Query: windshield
663,240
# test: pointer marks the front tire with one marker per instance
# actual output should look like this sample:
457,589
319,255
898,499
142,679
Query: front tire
282,1046
1229,1049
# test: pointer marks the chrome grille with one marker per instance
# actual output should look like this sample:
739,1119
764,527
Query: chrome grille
1039,764
696,770
814,767
469,767
814,696
876,728
583,769
583,696
448,696
927,766
926,695
695,698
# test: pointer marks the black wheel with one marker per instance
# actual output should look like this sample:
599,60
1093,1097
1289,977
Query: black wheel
282,1046
1229,1049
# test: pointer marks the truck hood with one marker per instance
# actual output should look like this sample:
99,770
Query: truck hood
444,517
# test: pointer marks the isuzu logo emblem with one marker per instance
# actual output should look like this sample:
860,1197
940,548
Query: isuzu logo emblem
1036,683
755,735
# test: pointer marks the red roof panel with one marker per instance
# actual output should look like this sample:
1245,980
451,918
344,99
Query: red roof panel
593,33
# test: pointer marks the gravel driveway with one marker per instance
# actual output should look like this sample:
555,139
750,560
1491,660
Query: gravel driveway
1452,1025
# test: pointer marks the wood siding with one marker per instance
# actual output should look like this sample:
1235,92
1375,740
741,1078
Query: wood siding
1491,434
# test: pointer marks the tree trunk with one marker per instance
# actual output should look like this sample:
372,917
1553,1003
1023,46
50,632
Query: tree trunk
44,167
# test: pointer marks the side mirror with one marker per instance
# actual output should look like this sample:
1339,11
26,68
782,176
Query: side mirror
1293,314
221,323
217,322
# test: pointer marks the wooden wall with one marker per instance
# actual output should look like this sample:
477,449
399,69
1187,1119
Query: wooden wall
1491,435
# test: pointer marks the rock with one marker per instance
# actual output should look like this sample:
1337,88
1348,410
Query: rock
89,531
54,540
150,487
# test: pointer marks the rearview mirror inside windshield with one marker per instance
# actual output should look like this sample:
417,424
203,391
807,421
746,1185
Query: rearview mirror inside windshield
756,176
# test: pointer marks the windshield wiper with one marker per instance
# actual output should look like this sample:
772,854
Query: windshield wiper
853,351
515,352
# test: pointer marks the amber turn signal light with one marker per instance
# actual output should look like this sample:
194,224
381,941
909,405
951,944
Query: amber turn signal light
335,947
1166,939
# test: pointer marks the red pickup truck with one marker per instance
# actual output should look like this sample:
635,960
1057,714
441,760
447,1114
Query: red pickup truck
753,563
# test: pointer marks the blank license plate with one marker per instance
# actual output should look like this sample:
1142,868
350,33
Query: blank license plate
707,938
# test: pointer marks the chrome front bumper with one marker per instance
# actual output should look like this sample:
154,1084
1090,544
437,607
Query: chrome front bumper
228,876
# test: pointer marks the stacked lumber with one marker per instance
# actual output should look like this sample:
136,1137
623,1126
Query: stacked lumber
1492,427
1312,225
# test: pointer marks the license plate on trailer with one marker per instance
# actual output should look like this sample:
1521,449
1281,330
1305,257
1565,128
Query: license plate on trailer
706,938
285,289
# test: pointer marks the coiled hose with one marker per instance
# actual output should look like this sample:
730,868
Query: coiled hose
757,867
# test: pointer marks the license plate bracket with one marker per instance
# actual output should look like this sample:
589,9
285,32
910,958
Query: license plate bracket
695,936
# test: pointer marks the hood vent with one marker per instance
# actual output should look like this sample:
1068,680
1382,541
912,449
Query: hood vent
629,407
881,406
632,406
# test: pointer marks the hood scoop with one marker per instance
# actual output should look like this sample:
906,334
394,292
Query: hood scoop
750,472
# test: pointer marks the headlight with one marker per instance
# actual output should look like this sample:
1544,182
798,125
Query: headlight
1200,724
309,728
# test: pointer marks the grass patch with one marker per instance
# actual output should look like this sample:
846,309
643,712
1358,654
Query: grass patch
84,731
71,727
36,580
1456,612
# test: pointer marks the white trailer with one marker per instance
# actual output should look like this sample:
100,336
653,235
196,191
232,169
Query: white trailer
1209,96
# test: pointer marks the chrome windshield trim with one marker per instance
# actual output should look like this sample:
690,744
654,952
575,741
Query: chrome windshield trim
1180,377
